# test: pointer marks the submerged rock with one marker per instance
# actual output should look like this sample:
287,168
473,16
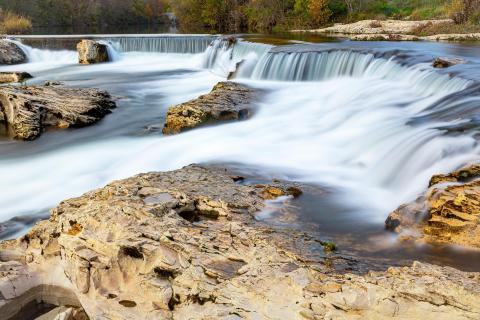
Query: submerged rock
10,53
28,111
90,52
184,245
446,62
9,77
227,101
449,211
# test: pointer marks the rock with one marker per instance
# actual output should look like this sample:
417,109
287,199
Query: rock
446,62
380,27
150,247
8,77
10,53
28,111
90,52
227,101
383,37
449,212
454,37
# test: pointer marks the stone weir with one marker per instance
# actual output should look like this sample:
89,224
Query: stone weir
126,43
185,245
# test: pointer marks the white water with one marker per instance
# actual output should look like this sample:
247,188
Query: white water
348,130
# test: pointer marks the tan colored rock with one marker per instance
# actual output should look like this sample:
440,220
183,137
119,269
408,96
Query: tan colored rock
228,101
142,248
10,53
90,52
380,26
383,37
28,111
454,37
448,212
8,77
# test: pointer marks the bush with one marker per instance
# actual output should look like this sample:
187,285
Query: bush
15,24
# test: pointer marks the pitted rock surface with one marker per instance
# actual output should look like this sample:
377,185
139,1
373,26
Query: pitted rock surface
185,245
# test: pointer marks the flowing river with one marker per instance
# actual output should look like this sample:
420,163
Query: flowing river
369,122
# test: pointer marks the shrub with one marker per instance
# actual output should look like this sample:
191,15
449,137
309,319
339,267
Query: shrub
15,24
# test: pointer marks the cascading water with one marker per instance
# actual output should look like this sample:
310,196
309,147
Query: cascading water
370,128
165,44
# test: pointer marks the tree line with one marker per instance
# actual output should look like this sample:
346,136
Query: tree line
236,15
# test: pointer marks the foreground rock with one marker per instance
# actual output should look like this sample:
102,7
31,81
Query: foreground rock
10,77
10,53
28,111
227,101
90,52
449,212
184,245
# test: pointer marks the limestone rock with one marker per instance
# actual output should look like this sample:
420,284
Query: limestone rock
27,111
383,37
380,26
448,212
10,53
90,52
8,77
227,101
184,245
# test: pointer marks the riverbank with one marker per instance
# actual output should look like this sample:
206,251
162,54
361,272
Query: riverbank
399,30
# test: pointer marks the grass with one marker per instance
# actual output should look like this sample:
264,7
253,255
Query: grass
15,24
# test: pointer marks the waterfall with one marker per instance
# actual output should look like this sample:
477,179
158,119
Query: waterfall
113,54
165,44
223,54
324,65
35,55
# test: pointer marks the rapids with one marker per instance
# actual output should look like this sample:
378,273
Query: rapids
367,123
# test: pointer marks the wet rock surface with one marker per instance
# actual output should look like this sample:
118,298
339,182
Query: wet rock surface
10,53
228,101
28,111
449,211
185,245
445,62
8,77
90,52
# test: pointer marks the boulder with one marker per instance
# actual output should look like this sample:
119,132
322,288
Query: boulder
10,53
90,52
448,212
9,77
228,101
442,63
28,111
185,245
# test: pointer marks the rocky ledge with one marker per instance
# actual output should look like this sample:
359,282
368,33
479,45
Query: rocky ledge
380,26
90,52
448,212
185,245
227,101
28,111
10,53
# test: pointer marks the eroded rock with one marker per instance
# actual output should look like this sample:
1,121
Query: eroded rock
448,212
228,101
10,53
127,251
9,77
90,51
28,111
